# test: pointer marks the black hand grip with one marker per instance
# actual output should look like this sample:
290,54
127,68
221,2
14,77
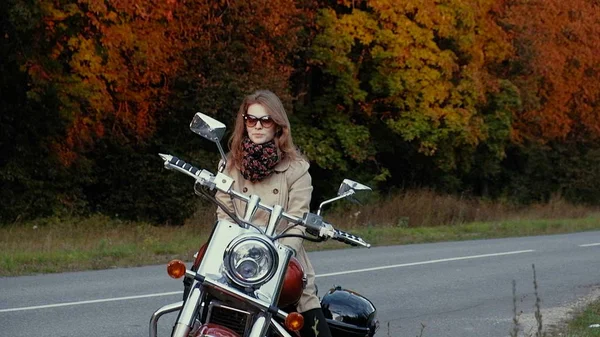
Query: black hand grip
350,239
183,165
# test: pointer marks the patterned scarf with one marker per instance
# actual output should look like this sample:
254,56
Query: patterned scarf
258,160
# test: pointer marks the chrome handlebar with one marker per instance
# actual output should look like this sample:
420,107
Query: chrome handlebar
313,222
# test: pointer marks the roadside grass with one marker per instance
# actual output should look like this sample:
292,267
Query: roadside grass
99,242
386,235
579,325
425,208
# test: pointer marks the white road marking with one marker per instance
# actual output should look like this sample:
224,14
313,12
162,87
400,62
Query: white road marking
89,302
425,262
320,275
590,245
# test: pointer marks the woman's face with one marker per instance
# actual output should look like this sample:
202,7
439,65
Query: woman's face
260,127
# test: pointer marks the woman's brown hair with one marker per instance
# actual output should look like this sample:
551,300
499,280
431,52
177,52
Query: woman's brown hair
283,134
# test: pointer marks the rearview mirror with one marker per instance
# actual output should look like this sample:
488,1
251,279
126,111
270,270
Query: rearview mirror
212,130
350,185
347,190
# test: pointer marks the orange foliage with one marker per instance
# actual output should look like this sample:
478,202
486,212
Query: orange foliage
112,62
244,45
109,63
423,66
559,68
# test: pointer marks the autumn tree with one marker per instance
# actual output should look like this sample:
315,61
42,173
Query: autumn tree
97,71
119,81
416,71
557,68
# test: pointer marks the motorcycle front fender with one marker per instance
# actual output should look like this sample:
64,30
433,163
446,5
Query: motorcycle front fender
215,330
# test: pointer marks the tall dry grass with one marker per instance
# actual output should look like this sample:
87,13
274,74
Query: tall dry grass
53,245
426,208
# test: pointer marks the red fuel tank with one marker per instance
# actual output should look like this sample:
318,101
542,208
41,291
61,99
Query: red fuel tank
293,284
199,257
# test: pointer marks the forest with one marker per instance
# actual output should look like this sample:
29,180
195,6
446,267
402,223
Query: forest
498,99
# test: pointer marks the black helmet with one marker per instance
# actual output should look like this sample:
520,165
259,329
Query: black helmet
351,309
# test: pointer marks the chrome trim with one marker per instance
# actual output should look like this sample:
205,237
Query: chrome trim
229,268
251,207
207,127
223,232
304,281
347,189
348,184
185,322
280,330
262,305
281,271
223,182
261,325
212,265
210,129
349,193
274,220
218,304
200,315
202,176
160,312
267,208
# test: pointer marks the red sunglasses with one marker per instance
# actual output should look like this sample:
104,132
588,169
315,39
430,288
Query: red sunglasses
265,121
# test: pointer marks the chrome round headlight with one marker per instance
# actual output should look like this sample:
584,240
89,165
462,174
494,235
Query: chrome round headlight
250,261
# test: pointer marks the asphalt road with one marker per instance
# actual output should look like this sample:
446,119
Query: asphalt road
453,289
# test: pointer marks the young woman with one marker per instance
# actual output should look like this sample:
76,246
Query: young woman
264,161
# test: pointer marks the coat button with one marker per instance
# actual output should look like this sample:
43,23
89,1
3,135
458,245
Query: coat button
245,189
275,191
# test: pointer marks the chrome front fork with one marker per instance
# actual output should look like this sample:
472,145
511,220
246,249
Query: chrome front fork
185,322
187,316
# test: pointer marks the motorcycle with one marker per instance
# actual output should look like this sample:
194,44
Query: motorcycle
243,282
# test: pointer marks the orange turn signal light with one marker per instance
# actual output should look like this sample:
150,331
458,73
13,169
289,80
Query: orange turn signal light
294,321
176,268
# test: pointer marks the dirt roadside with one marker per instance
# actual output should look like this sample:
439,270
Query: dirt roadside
555,317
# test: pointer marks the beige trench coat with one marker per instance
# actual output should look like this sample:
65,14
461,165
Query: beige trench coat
290,187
